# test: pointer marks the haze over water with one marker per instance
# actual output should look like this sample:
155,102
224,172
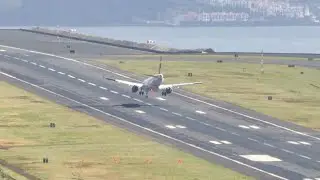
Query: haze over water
241,39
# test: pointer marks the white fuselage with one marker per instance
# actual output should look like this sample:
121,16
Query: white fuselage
152,83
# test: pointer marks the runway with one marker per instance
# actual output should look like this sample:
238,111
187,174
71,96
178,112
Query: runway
248,142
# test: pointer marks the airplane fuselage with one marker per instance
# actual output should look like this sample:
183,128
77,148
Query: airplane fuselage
152,84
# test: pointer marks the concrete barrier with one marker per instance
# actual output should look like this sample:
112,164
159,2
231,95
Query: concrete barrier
109,42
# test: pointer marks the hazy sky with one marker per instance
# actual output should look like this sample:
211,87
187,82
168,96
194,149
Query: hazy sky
8,5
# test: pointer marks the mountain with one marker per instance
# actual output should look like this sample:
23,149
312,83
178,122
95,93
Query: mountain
84,12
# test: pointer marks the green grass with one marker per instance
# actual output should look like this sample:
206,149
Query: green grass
201,57
83,146
294,98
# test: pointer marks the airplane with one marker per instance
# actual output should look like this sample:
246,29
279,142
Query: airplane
152,83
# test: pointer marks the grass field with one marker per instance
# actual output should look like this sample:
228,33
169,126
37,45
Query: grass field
296,96
201,57
81,146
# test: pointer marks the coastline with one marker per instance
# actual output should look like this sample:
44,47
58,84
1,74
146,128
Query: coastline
153,48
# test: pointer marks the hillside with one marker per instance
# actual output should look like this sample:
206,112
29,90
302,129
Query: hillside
75,12
119,12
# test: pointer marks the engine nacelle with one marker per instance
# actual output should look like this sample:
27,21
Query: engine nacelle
134,89
168,90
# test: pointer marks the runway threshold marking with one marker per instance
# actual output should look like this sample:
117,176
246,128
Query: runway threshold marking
147,129
175,126
249,127
220,142
185,96
299,143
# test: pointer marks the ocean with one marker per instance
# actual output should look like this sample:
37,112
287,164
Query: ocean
285,39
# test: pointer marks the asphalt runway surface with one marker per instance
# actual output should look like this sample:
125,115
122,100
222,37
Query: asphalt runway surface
245,141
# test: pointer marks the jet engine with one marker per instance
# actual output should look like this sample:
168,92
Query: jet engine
134,89
168,90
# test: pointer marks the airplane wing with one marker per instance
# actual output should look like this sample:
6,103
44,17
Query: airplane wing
125,82
177,85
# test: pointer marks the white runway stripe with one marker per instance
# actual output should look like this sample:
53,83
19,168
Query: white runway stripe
261,158
62,73
161,99
125,96
50,69
101,87
201,112
104,98
114,92
81,80
92,84
139,111
71,76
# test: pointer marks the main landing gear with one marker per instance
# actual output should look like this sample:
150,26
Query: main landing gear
141,93
163,93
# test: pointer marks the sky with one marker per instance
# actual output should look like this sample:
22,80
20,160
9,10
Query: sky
9,5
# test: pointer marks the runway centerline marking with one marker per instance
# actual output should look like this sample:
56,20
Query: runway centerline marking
70,76
101,87
201,112
163,109
306,157
81,80
24,60
190,118
62,73
104,98
91,84
125,96
114,92
137,100
285,150
185,96
253,139
147,129
269,145
42,66
34,63
176,114
50,69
